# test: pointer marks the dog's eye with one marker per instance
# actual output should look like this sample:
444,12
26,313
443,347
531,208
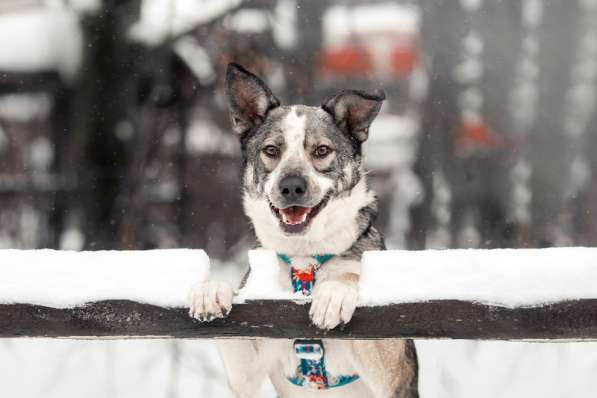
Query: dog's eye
271,151
322,151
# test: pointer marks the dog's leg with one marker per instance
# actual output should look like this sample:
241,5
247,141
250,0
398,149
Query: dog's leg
389,367
247,362
238,356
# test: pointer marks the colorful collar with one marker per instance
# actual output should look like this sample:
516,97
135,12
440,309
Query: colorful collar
303,280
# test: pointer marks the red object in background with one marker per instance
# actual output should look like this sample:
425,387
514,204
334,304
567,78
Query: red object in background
348,61
475,134
403,60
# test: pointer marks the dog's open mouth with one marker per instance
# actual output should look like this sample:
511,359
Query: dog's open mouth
295,219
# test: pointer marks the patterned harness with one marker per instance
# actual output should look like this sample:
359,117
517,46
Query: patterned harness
311,370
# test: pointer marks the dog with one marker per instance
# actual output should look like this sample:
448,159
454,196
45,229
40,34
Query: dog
306,194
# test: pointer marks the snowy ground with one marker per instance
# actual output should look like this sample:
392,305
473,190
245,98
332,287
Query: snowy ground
164,369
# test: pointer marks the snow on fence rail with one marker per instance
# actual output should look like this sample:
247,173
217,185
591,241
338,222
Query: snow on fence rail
515,294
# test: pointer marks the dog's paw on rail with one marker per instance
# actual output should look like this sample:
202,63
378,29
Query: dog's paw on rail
210,300
333,303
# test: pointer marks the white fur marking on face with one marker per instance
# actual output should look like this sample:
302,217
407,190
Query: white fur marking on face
293,127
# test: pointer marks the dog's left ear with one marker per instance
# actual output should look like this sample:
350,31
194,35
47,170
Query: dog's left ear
353,111
249,99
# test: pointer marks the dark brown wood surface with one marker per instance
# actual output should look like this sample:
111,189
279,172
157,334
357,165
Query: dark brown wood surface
571,320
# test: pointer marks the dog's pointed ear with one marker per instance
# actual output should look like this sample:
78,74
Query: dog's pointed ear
353,111
249,99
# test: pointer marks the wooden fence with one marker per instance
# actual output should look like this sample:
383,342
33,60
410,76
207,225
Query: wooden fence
142,294
440,319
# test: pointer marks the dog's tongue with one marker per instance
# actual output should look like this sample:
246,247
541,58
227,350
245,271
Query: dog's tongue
295,214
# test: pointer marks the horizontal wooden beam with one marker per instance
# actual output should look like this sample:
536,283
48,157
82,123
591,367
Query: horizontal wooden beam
452,319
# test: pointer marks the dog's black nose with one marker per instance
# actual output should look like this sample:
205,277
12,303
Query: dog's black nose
293,187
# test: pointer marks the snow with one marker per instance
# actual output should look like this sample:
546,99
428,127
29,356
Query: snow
263,282
491,369
41,39
503,277
162,19
192,368
65,279
51,368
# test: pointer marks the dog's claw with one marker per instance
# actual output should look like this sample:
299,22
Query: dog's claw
210,300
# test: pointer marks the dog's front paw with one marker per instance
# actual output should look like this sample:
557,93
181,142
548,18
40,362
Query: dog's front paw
210,300
333,303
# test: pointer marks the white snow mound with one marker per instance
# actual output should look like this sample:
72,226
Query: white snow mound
504,277
265,279
64,279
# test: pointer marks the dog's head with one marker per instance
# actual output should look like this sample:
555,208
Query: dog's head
299,161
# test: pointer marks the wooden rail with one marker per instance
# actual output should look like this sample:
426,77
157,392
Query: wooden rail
452,319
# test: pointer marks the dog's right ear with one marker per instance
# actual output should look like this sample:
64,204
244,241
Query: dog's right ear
353,111
249,99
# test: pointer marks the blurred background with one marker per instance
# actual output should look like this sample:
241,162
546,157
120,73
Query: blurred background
114,134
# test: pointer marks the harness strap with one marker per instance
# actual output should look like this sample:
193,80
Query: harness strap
303,280
311,370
